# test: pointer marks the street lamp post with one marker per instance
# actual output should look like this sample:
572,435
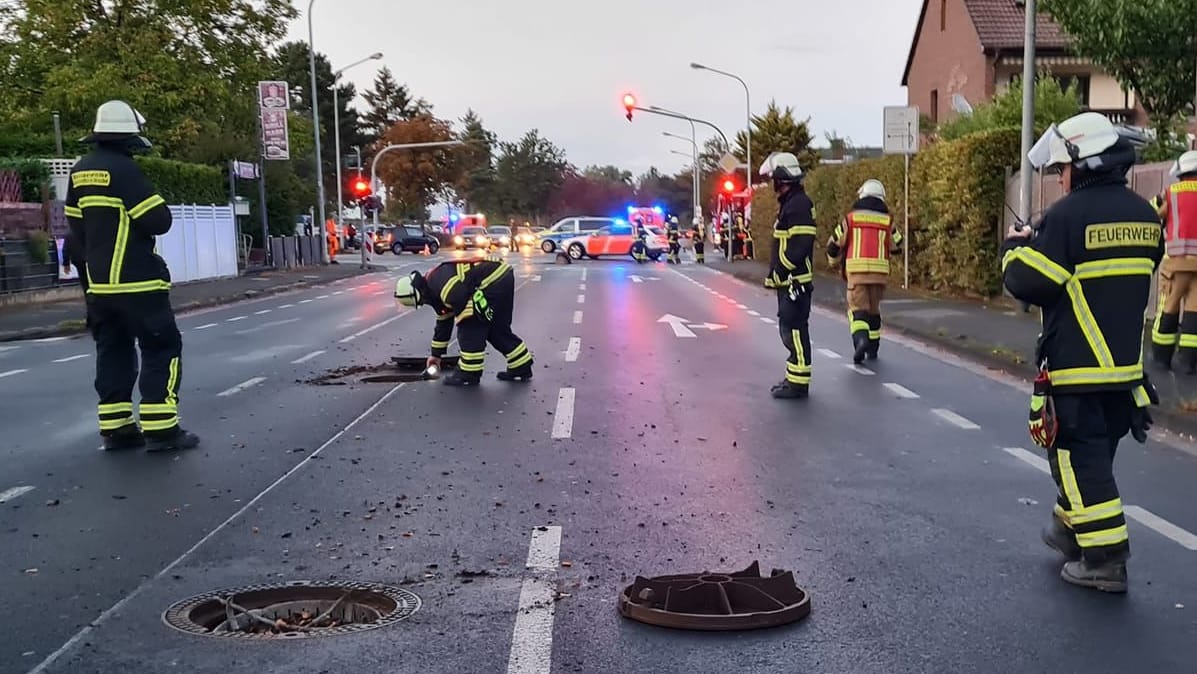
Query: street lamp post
337,134
693,120
693,140
748,129
374,174
316,127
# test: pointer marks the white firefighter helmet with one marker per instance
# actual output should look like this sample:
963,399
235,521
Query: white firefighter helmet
1186,165
406,293
782,167
871,188
1085,141
118,119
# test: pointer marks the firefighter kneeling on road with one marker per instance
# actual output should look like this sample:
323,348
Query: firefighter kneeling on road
865,238
790,270
479,296
1089,268
1177,207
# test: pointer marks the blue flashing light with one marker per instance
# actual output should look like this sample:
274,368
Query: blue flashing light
631,209
620,221
658,210
454,217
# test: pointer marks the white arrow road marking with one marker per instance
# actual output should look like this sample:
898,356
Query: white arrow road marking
708,326
678,324
536,277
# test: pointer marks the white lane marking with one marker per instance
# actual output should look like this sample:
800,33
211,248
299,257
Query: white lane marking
536,277
304,301
766,319
901,391
375,293
8,348
237,318
955,419
577,317
859,369
563,418
285,306
70,358
829,353
112,610
248,383
259,313
324,297
740,306
11,373
205,326
338,293
48,340
268,324
370,329
304,359
581,299
753,313
574,348
1034,460
584,270
637,279
1161,526
581,286
14,492
532,637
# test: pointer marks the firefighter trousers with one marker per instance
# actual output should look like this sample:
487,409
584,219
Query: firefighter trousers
675,250
475,332
700,251
1082,465
793,320
1178,293
864,314
121,326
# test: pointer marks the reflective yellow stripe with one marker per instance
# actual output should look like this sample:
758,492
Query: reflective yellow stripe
172,382
867,265
159,408
1096,376
73,211
1096,512
144,207
115,408
159,424
1072,490
120,288
101,201
495,275
113,424
1105,537
448,289
1037,261
1089,327
870,219
1128,266
438,344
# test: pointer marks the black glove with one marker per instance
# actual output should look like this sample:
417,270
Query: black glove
833,249
1152,394
1141,422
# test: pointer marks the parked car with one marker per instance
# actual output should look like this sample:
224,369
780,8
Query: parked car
615,240
412,239
471,237
500,236
383,236
524,236
568,228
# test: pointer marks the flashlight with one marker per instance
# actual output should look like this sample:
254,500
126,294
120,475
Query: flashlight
432,371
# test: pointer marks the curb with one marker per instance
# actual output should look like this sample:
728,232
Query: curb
1166,415
205,303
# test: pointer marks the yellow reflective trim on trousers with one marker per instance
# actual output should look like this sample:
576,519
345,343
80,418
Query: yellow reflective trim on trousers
73,211
874,335
1096,376
858,326
796,337
800,230
1072,490
1037,261
495,275
1103,538
159,408
1088,324
159,424
1187,341
123,288
113,424
1096,512
172,382
115,408
797,369
519,357
1126,266
145,206
1062,514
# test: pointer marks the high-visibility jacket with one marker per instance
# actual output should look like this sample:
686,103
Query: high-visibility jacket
865,237
793,240
1090,268
449,289
114,215
1179,212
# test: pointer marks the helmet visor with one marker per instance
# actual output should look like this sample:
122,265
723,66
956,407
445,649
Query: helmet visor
1050,151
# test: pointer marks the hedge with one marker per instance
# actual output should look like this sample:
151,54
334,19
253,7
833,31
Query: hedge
182,183
33,175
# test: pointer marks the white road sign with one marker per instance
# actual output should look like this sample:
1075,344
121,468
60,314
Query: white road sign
729,163
901,130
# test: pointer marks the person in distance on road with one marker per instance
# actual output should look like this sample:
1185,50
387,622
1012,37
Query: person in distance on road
865,238
479,296
791,271
674,235
1089,268
700,246
640,245
1177,206
114,215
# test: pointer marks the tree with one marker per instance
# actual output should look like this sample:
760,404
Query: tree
414,178
390,102
476,182
1147,45
778,131
594,191
1052,104
672,192
608,174
527,173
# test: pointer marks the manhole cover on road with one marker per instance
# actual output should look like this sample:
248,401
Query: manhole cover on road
400,369
292,610
743,600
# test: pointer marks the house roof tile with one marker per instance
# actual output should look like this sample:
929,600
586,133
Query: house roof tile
1001,25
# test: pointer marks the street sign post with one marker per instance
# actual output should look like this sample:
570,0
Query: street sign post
729,163
901,136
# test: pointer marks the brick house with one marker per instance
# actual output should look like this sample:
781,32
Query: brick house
974,48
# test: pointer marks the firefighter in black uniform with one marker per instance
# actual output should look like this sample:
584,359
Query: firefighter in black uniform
114,215
700,245
479,296
640,244
1089,267
674,235
791,271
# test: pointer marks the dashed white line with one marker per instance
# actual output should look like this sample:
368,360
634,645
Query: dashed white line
829,353
304,301
70,358
304,359
766,319
259,313
584,270
955,419
532,637
1161,526
739,306
536,277
860,369
581,299
573,349
11,373
237,318
581,286
14,492
1034,460
248,383
370,329
563,418
338,293
205,326
285,306
901,391
753,313
324,297
577,317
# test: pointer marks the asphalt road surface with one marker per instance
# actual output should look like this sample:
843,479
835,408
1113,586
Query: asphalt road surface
903,495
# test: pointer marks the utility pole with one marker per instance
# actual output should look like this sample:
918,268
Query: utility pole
1028,114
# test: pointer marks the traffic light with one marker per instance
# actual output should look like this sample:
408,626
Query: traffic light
629,104
729,185
361,189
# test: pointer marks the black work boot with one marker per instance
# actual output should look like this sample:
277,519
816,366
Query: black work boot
1161,355
874,346
125,437
1061,539
787,391
459,378
1107,576
860,342
522,373
172,440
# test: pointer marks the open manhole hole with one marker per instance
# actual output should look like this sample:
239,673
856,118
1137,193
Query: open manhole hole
717,602
293,610
400,369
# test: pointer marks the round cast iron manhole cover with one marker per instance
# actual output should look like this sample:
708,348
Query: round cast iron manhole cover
292,610
743,600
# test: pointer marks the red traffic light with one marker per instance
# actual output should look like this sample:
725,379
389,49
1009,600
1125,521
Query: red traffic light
729,185
629,103
361,188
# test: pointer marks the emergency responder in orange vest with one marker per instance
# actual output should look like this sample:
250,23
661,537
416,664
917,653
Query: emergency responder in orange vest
1088,266
331,228
744,235
865,238
479,296
674,237
115,214
791,271
700,246
1177,207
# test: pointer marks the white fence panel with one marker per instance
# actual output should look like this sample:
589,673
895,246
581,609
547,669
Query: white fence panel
201,243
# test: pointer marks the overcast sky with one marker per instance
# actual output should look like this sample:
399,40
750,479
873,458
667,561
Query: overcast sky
562,65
